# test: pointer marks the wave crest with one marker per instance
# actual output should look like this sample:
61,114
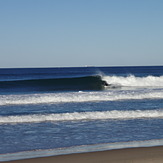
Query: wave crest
56,84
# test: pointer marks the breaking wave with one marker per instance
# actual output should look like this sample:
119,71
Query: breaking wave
96,83
57,84
154,91
133,81
80,116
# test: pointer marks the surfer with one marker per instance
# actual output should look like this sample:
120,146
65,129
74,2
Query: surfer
105,83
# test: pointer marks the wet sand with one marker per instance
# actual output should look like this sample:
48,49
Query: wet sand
129,155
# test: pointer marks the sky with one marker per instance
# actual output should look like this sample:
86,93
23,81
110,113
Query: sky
75,33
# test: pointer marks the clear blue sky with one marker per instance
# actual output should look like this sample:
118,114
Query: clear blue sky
52,33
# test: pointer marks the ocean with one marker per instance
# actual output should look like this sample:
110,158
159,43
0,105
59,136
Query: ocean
64,110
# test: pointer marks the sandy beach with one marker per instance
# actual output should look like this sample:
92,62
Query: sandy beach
130,155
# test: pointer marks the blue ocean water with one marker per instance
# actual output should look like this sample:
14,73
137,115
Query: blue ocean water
51,108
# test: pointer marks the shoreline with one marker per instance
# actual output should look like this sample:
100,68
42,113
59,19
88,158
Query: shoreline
82,150
125,155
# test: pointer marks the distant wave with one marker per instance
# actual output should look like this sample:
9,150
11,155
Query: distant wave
79,116
57,84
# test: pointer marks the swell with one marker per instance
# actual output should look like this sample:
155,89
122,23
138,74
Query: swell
57,84
86,116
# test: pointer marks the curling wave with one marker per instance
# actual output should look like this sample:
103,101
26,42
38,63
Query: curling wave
57,84
80,116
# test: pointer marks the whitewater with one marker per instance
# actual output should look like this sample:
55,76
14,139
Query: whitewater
120,88
54,108
80,97
80,116
133,81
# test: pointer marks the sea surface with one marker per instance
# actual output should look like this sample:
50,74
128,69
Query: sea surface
44,109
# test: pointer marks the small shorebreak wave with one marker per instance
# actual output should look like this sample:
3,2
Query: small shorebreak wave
56,84
86,116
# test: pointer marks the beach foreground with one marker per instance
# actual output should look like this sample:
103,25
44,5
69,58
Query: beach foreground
130,155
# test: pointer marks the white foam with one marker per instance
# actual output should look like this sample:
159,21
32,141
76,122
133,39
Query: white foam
128,93
149,81
78,116
50,98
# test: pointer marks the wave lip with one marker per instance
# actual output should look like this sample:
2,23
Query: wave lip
80,116
57,84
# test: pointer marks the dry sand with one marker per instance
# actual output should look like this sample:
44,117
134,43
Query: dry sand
130,155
